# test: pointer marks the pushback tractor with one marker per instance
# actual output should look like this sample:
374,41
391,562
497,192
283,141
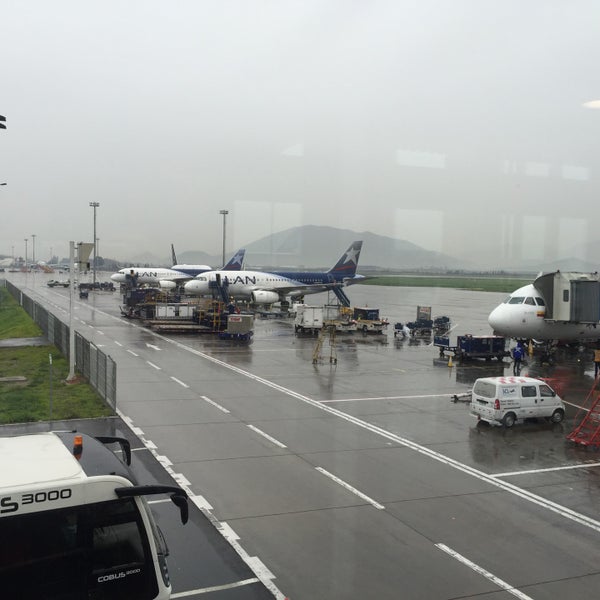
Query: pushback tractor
74,524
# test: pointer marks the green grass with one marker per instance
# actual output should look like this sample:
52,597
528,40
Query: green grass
28,401
481,284
14,321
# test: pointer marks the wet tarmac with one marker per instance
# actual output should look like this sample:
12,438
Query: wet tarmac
363,478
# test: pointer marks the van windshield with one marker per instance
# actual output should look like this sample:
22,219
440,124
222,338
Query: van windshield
92,551
484,389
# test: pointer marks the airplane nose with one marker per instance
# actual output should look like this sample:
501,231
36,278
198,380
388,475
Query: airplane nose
496,319
118,277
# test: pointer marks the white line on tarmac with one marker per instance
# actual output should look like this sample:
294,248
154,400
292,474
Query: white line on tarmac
350,488
267,436
490,576
118,343
549,470
185,385
154,366
132,352
221,408
386,398
577,406
215,588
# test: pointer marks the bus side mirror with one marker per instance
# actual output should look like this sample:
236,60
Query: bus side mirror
182,503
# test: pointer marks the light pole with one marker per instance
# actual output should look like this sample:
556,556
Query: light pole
94,205
224,213
33,249
25,254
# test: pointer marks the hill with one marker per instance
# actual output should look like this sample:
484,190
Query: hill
318,247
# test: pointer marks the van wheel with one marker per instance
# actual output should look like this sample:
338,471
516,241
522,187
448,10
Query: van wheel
509,419
557,416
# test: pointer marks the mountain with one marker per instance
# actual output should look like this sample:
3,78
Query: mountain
319,247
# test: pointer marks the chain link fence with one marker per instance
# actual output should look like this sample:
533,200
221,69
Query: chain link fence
98,368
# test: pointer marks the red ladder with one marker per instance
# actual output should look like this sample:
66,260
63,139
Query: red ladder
587,433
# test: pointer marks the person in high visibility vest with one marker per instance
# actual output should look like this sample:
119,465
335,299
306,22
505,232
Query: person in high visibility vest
597,360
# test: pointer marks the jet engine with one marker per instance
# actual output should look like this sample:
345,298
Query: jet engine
263,297
167,285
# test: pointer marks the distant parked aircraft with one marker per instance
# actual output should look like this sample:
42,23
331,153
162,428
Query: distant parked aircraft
170,278
265,288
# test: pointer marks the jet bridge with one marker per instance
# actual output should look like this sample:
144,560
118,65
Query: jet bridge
570,297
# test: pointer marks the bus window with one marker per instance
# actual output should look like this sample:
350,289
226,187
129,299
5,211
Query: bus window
95,551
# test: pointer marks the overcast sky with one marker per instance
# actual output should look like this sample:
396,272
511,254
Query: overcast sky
457,125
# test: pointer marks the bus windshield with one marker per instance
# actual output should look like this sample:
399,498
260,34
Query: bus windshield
95,551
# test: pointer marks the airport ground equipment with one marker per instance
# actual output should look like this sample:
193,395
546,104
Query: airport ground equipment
308,319
368,320
239,327
341,296
59,283
74,522
587,432
473,346
311,319
327,332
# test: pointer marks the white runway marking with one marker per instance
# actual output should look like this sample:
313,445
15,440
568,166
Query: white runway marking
154,366
387,398
152,346
221,408
185,385
350,488
132,352
216,588
549,470
490,576
267,436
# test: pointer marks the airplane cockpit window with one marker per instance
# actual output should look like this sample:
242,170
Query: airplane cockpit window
530,301
540,301
516,300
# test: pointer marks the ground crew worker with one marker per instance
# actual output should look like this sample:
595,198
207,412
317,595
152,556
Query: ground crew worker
517,355
597,360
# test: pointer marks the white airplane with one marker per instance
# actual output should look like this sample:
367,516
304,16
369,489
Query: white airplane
265,288
556,306
168,279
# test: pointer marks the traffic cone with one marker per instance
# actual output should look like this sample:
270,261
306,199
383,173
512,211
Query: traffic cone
450,362
530,349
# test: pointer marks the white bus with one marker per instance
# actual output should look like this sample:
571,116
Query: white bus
74,524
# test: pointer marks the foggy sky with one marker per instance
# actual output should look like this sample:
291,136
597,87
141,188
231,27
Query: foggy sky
458,126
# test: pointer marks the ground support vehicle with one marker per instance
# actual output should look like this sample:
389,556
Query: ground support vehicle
83,294
74,522
59,283
312,319
473,346
506,400
308,319
368,320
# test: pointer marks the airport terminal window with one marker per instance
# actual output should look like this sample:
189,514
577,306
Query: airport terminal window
528,391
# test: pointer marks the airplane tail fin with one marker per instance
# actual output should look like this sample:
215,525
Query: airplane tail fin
173,257
346,266
236,261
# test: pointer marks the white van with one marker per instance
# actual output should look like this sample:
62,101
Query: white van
506,400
